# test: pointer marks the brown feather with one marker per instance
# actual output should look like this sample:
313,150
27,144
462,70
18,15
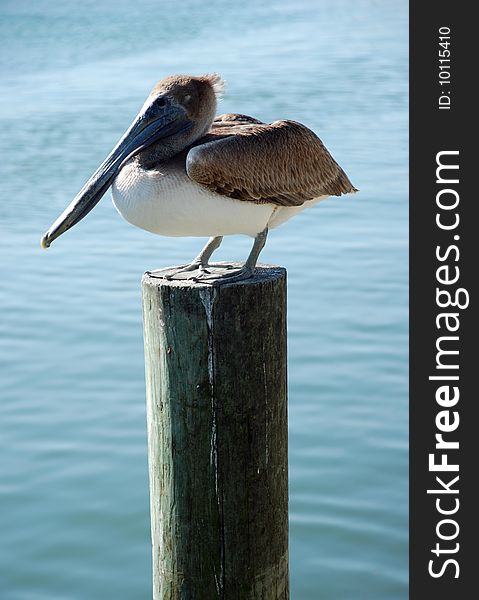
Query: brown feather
283,163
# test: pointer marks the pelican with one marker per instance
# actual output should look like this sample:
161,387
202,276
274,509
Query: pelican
179,170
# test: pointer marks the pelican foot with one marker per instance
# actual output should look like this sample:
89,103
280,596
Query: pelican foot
183,272
227,276
212,273
224,266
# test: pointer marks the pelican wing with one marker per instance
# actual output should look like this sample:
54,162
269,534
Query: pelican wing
283,163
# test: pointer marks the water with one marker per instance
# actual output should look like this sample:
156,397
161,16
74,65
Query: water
74,518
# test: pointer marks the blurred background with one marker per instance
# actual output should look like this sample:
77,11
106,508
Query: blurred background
74,515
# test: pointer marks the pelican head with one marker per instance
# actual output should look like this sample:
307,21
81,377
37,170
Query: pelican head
179,110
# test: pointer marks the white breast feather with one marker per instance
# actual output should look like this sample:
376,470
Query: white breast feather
172,204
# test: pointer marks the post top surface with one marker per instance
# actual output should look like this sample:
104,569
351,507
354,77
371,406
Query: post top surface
262,274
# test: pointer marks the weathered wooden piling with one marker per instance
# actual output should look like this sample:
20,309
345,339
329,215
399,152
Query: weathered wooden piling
217,437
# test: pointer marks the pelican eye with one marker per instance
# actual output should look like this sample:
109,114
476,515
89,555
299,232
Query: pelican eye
161,102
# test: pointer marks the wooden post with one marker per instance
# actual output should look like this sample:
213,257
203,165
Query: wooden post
217,437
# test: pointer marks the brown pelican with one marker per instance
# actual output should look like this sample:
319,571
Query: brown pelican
180,171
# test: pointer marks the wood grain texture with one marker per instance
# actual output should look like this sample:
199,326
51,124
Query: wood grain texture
217,436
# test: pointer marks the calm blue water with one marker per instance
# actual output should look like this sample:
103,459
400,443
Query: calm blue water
74,520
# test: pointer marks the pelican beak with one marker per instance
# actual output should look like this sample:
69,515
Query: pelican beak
152,124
